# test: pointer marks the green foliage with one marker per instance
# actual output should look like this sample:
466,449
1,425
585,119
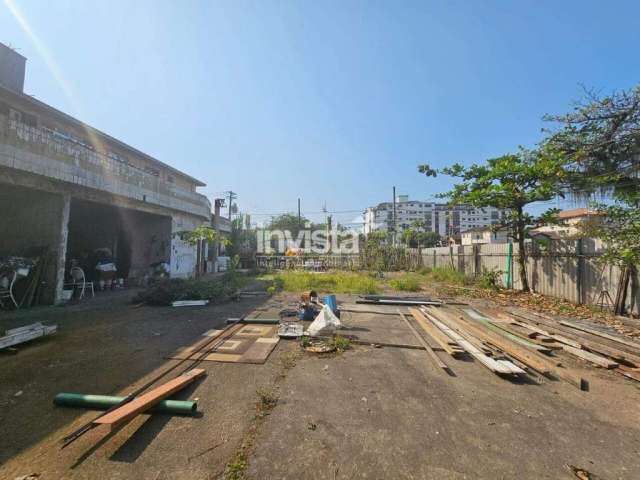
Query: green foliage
490,279
509,182
341,343
619,228
417,235
446,275
288,221
600,138
241,241
408,282
378,254
201,233
236,467
166,291
331,282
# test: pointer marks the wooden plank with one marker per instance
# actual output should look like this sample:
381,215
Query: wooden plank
145,401
439,337
591,357
479,317
598,333
259,351
24,335
33,326
485,360
530,358
571,338
558,338
426,346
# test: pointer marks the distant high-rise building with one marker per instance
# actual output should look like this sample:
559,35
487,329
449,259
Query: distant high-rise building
441,218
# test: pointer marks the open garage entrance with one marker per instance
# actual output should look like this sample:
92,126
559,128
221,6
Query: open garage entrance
135,242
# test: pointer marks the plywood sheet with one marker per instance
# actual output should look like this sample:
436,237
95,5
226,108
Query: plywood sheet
249,344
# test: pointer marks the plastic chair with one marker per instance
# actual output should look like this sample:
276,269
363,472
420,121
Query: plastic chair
8,292
80,280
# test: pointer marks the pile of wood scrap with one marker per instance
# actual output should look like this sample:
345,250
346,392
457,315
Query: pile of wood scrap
592,344
27,333
497,347
519,342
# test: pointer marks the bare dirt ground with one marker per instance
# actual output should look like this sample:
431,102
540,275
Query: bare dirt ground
366,413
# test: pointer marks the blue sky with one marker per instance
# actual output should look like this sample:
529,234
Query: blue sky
333,102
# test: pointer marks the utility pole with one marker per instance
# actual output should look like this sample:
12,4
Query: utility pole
232,196
299,226
394,217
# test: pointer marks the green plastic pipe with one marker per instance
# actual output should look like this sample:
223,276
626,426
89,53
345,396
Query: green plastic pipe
509,262
104,402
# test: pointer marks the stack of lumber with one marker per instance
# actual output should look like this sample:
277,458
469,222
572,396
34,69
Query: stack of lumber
501,349
18,335
592,344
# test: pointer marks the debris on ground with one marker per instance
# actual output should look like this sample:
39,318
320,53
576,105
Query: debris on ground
27,333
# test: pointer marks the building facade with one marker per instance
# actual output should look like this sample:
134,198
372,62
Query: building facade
484,235
443,219
68,189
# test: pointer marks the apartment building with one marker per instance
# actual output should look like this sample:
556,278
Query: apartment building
443,219
68,189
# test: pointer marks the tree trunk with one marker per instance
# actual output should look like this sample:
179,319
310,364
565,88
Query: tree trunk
522,258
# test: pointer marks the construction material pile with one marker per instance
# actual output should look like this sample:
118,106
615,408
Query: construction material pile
519,343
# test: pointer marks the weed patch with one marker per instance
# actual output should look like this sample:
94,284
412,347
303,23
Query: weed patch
409,282
333,282
267,400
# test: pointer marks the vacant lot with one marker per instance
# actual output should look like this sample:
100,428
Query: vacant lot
366,413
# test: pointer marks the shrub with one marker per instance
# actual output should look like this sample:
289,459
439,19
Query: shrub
490,279
407,283
166,291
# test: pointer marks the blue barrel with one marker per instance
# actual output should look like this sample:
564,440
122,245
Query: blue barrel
331,301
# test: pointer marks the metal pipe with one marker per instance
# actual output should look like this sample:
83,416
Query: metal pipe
104,402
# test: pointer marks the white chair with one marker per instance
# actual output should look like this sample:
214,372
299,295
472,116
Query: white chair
79,280
7,291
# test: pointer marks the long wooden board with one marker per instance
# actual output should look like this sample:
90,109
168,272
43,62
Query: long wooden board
559,332
144,402
487,322
490,363
519,352
590,357
440,338
426,346
598,333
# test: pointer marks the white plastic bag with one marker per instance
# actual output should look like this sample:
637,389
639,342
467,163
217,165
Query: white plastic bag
325,323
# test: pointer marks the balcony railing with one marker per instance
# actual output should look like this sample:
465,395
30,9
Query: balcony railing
72,160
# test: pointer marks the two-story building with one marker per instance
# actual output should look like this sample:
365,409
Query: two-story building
69,190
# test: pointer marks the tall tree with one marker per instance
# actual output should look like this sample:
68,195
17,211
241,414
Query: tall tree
509,182
600,140
288,221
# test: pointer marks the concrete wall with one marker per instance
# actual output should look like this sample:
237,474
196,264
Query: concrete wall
184,257
564,269
12,68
